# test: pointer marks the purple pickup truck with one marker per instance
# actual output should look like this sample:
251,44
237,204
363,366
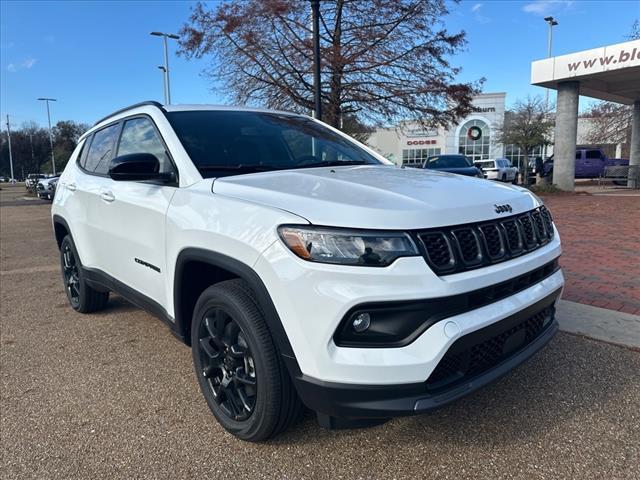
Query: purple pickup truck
590,163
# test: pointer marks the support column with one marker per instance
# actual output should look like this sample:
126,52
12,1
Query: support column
634,156
564,149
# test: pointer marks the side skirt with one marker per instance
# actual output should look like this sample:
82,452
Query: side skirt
101,280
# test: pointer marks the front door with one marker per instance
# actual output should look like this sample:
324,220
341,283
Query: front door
133,216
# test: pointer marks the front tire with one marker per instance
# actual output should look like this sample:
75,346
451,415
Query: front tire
504,177
82,297
238,366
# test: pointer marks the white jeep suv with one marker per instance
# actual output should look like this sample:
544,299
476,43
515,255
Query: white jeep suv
303,268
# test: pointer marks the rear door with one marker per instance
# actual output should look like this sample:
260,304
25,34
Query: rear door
87,187
133,213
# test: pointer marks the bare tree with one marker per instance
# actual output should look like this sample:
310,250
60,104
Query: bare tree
634,34
527,125
610,123
381,59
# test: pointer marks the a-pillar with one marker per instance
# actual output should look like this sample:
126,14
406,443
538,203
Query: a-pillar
564,149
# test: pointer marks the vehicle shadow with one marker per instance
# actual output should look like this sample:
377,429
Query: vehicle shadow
551,389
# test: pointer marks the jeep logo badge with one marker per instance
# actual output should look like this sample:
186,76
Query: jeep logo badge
503,208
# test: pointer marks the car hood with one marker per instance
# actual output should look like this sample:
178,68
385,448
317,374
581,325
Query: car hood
378,197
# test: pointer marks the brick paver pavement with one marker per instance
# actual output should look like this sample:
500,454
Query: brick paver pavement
601,249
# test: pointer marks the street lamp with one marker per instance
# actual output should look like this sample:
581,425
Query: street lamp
53,160
165,69
164,80
552,22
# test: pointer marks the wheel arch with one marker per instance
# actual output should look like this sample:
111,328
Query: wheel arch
60,229
215,267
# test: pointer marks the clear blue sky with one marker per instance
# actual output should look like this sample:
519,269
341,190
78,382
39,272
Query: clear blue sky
95,57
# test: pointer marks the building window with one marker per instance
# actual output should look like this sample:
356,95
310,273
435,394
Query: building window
414,157
516,155
474,140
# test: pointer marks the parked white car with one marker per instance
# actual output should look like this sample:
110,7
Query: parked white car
46,187
499,169
301,267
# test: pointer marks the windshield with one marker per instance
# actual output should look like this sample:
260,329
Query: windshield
224,143
448,161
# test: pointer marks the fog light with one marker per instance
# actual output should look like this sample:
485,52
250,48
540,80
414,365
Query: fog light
361,322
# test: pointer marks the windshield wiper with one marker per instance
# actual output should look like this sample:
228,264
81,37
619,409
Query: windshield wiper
332,163
226,168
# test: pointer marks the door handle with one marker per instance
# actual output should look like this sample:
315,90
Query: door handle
107,196
71,186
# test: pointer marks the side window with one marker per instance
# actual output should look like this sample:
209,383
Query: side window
140,136
594,154
579,155
101,148
82,156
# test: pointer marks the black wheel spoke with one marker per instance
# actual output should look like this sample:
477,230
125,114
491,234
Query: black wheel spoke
238,351
236,406
212,353
227,365
241,377
212,326
246,403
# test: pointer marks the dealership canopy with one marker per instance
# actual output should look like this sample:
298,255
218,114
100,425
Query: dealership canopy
608,73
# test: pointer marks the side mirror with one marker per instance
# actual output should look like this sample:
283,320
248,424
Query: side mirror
478,165
137,167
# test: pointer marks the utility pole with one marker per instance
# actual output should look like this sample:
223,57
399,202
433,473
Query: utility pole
10,153
53,159
167,88
33,156
315,12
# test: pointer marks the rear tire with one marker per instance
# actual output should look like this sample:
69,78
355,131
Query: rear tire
82,297
238,367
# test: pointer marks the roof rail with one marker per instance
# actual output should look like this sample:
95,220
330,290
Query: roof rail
141,104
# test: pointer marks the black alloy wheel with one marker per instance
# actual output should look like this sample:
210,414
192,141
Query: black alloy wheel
82,296
71,275
227,364
238,366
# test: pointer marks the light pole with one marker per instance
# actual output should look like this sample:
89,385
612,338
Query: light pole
552,23
315,13
53,159
164,80
10,152
167,89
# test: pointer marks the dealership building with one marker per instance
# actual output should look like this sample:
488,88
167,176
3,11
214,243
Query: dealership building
409,143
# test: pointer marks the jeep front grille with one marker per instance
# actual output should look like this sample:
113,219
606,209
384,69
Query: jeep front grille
465,247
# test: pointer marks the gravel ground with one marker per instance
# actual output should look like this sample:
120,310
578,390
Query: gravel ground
113,395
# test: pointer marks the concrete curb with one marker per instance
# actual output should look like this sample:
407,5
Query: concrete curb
599,323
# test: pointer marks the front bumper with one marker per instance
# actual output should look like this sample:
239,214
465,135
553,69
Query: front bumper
312,299
384,401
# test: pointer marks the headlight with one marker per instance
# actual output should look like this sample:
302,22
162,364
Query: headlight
347,247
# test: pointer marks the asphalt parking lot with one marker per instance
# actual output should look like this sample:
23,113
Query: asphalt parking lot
113,395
